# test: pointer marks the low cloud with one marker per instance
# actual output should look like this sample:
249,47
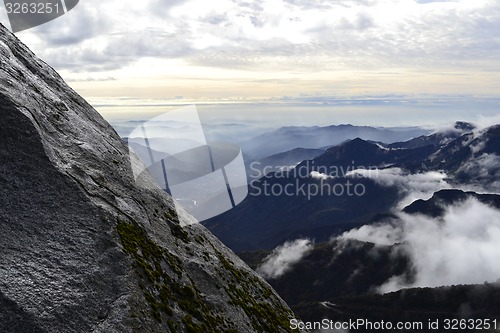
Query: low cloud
319,175
412,186
486,165
460,248
447,128
484,122
282,259
380,234
482,171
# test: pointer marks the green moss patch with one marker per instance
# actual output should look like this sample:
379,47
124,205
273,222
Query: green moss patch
165,292
266,312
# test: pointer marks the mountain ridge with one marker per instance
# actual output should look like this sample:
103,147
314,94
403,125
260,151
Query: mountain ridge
287,138
470,158
338,279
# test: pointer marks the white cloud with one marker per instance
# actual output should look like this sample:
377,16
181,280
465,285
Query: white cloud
223,50
412,186
319,175
363,34
483,171
448,127
483,122
381,234
460,248
282,259
484,166
82,23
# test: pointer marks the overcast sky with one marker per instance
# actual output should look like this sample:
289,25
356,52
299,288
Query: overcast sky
274,50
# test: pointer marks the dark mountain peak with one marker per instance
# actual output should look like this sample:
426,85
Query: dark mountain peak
493,131
450,195
461,156
85,248
437,204
358,141
348,151
344,126
359,146
370,154
438,139
464,126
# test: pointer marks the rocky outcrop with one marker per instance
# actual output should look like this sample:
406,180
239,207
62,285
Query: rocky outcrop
82,248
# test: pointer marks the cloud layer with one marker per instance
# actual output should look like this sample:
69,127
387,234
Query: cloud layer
460,248
344,33
319,53
282,259
412,186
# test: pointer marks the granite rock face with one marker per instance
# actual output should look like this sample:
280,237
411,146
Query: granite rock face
82,247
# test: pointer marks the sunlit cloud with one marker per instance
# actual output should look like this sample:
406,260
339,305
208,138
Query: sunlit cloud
412,186
284,257
321,48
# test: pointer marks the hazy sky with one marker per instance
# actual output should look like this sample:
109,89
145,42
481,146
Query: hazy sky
274,51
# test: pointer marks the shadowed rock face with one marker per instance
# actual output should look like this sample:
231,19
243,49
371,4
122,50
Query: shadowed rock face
82,247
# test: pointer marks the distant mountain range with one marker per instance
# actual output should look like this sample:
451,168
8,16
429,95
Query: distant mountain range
279,162
341,278
287,146
288,138
265,220
436,139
